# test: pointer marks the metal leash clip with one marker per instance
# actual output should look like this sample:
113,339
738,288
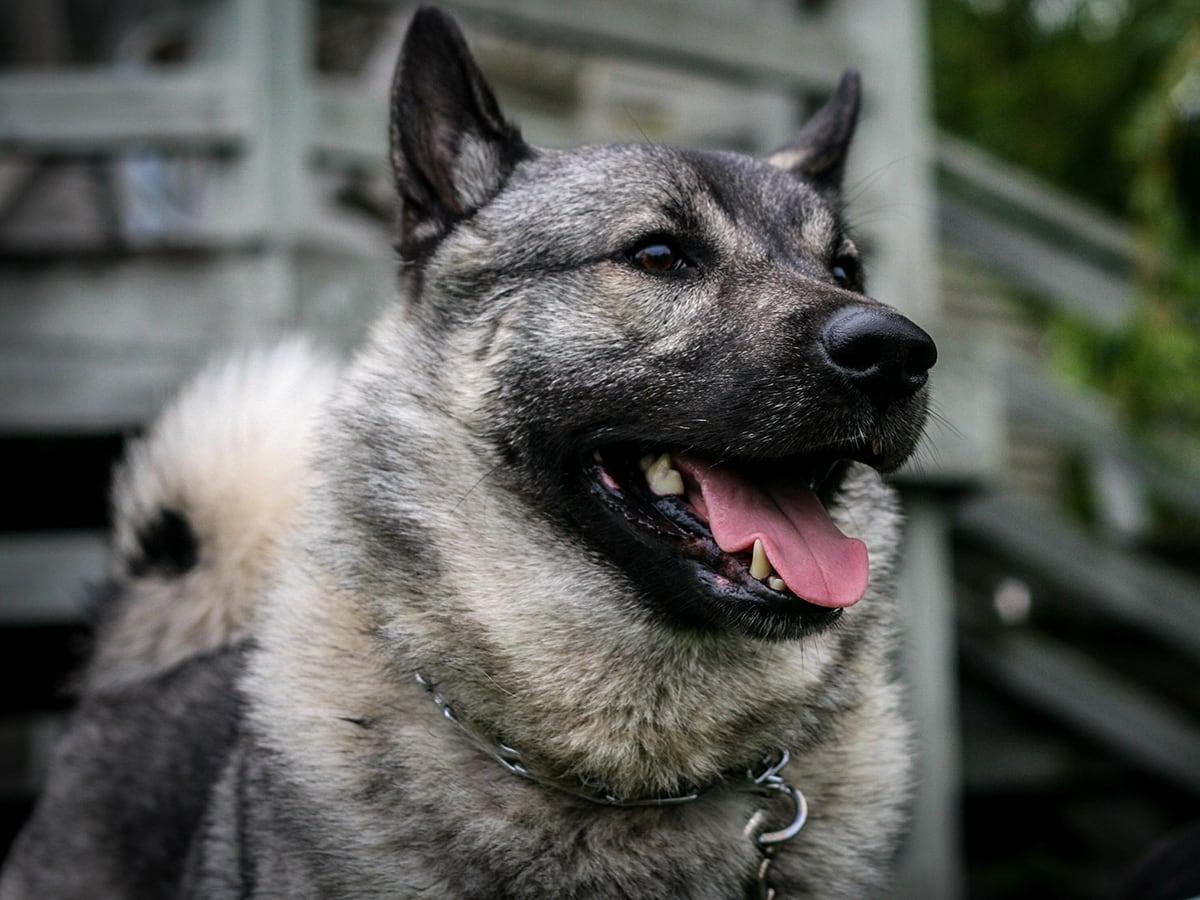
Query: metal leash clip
770,782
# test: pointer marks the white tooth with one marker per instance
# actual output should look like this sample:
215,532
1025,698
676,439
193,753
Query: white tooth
776,583
667,483
760,567
646,461
662,479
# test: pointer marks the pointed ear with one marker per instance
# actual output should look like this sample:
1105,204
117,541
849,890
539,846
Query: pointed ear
818,152
451,148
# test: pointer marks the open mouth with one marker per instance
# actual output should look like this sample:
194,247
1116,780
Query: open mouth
754,533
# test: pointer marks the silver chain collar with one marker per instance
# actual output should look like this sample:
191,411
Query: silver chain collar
766,781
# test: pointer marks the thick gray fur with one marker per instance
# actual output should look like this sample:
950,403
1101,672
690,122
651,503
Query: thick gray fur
282,748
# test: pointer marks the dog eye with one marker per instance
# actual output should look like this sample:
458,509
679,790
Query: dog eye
845,271
658,257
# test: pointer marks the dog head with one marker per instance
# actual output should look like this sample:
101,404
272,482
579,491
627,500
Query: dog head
669,353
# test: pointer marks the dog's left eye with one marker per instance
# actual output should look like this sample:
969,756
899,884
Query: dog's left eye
657,256
845,271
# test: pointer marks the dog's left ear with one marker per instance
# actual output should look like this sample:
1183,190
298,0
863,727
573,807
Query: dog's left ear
818,152
451,148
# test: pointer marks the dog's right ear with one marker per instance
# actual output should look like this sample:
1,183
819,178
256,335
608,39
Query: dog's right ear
451,148
818,152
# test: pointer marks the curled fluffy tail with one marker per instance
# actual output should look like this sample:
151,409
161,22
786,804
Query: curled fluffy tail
200,504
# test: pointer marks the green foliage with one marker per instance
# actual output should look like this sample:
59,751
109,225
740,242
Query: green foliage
1103,98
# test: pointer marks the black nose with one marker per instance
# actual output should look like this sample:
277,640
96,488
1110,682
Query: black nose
879,350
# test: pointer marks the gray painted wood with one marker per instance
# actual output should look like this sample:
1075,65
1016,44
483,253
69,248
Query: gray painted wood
1111,711
90,111
44,578
891,163
1087,420
772,43
100,345
964,438
48,394
931,862
1125,586
1028,259
1019,190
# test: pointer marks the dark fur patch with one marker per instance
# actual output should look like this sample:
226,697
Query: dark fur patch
167,546
129,786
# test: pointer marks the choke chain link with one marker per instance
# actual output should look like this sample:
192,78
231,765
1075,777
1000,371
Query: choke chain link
767,782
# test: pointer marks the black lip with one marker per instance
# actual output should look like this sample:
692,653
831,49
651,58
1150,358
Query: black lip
663,542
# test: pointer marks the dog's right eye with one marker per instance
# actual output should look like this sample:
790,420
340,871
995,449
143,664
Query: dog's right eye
657,256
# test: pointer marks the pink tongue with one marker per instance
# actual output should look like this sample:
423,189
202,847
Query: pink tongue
815,560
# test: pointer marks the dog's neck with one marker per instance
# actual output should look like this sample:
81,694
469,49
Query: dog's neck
511,760
584,683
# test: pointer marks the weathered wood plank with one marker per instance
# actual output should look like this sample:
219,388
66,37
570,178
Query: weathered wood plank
98,110
1117,582
1070,686
1074,283
931,866
1087,421
44,578
964,439
43,393
772,43
1018,188
101,344
175,301
350,125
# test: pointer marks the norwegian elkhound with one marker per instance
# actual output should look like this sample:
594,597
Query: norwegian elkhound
574,583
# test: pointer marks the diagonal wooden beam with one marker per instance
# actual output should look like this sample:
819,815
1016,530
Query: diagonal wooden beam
1063,682
1129,588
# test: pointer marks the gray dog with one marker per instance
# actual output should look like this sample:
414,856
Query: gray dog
575,583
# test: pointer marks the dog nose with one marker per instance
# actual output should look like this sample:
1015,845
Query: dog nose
878,349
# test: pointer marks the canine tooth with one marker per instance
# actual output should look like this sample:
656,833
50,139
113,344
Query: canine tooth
760,567
776,583
646,461
662,479
596,456
877,447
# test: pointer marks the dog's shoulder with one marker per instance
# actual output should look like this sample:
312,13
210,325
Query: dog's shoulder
200,505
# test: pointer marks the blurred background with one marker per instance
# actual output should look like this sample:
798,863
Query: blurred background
180,178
